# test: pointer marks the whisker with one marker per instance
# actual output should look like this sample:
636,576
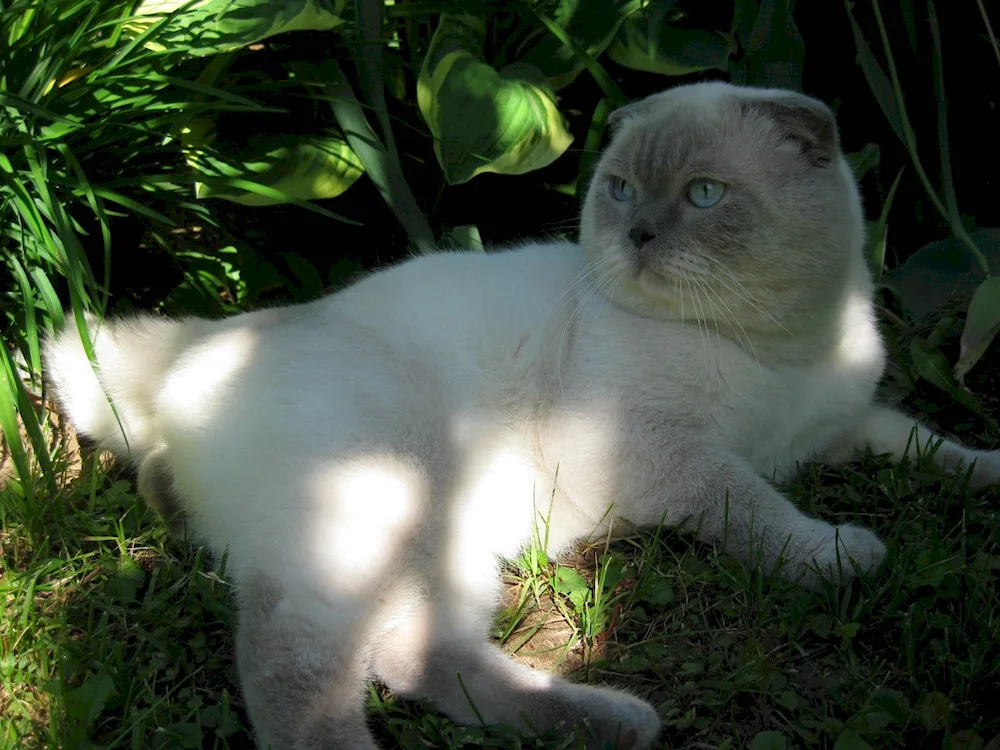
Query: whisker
580,278
741,334
743,293
699,315
716,313
589,291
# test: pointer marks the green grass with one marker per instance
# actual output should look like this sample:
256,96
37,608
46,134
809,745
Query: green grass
113,636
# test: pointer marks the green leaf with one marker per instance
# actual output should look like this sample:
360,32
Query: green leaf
934,709
8,419
865,159
981,325
947,178
481,120
86,702
769,740
212,26
592,145
871,722
850,740
880,235
305,167
597,71
647,42
657,591
744,17
932,365
611,569
591,24
941,271
893,703
775,50
573,585
878,81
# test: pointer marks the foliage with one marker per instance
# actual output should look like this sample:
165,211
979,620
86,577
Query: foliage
73,92
931,265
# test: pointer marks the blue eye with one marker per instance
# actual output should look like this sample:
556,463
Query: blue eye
705,193
621,190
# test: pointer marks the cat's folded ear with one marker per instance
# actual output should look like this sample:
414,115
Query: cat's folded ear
626,112
805,120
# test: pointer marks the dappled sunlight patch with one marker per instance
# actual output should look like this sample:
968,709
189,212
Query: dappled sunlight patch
200,380
366,509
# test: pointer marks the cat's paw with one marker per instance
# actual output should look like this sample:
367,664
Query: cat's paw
848,550
986,470
616,720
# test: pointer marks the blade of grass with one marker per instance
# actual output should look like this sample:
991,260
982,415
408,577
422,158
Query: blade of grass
27,299
380,166
134,206
368,61
139,41
951,201
8,99
592,144
216,67
9,422
600,75
881,230
31,425
894,108
49,296
98,209
989,29
909,138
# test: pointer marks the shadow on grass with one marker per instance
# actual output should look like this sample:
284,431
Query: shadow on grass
116,637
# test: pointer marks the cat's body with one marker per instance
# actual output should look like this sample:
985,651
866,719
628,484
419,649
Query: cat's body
368,458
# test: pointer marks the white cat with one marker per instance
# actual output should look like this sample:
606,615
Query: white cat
368,458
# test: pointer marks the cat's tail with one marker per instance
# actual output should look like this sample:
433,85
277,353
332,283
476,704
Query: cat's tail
133,356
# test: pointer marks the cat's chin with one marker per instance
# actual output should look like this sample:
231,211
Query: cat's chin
653,282
649,293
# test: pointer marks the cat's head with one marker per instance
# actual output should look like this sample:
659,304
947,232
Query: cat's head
717,202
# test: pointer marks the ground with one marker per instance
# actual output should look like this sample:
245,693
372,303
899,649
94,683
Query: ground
114,636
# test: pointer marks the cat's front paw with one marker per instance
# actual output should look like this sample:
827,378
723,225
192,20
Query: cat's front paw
847,551
986,470
616,720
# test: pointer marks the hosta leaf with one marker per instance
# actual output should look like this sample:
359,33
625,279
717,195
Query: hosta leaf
592,24
941,271
775,50
647,42
306,167
483,120
981,325
212,26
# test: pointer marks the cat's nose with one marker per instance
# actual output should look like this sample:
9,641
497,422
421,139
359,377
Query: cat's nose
641,234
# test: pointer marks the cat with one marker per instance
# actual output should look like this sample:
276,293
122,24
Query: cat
368,459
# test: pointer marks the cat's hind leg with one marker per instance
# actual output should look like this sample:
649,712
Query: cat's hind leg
444,656
303,667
